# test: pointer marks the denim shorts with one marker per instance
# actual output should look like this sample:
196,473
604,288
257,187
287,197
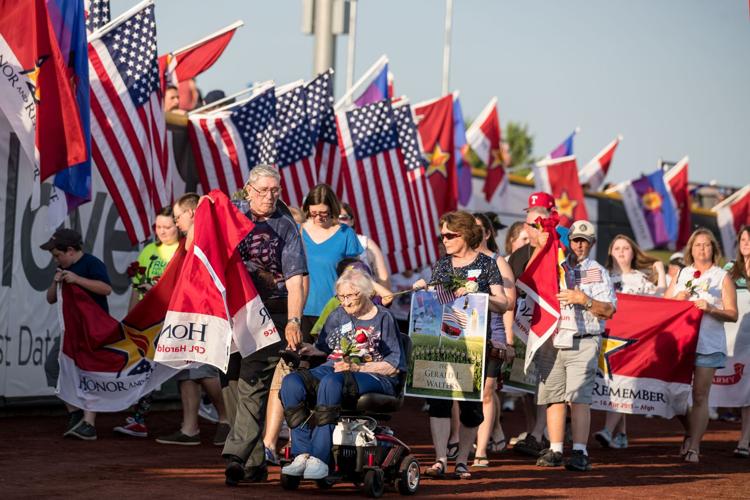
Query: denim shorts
713,360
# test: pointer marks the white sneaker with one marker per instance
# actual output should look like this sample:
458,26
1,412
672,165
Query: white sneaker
208,411
713,414
316,469
297,467
604,437
620,441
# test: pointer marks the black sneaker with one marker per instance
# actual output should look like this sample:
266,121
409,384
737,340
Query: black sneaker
235,473
549,458
83,430
528,446
180,438
76,417
578,461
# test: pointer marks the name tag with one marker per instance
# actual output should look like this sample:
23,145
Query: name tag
347,327
473,273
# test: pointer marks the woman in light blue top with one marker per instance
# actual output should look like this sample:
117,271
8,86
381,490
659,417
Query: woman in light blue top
326,243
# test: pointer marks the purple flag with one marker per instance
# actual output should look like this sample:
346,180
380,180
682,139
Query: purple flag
565,148
376,91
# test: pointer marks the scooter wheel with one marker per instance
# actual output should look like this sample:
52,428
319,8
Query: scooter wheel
374,483
407,480
290,482
325,483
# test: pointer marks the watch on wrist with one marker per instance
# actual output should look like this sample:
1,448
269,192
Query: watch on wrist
294,319
589,303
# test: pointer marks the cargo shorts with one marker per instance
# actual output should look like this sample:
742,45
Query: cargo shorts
568,375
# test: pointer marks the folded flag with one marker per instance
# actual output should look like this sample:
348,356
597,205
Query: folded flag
484,137
215,302
647,356
676,179
559,177
731,215
648,210
596,170
105,364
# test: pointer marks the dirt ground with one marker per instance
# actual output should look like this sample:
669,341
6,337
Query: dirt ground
36,461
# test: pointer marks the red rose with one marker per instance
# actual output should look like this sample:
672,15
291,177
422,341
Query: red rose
132,269
361,338
696,274
471,279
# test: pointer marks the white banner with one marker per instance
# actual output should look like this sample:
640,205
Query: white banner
640,396
29,324
731,388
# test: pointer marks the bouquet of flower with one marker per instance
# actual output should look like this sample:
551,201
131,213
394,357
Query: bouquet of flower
350,351
138,274
455,282
691,286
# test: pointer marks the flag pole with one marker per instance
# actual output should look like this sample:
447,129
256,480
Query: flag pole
447,45
217,104
351,44
347,98
119,20
232,26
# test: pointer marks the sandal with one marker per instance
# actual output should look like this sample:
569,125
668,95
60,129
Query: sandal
452,451
497,446
685,446
436,470
482,462
692,457
461,472
742,452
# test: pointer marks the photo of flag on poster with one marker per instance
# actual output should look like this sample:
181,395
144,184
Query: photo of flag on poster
448,346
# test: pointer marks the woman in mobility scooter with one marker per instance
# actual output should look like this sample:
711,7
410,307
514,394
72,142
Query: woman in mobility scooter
364,356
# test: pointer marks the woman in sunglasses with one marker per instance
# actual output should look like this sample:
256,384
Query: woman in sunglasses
462,236
327,241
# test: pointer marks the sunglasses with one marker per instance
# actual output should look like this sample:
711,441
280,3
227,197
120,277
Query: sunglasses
449,236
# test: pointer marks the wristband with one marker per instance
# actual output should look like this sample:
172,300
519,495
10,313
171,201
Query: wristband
294,319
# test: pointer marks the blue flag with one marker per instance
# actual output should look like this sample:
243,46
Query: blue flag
459,143
69,23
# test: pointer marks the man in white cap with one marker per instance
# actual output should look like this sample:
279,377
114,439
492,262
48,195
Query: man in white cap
568,366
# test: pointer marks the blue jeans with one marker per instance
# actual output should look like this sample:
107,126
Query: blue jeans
318,441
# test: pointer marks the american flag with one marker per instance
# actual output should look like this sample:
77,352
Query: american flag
127,127
376,183
588,276
456,316
227,144
419,186
444,294
97,14
323,124
294,149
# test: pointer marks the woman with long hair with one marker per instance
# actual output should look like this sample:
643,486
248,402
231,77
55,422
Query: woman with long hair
633,272
712,290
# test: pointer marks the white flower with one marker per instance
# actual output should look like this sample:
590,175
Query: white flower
471,286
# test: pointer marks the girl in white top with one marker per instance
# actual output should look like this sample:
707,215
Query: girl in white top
372,255
633,272
714,293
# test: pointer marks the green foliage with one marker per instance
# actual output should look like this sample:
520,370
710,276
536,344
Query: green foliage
521,143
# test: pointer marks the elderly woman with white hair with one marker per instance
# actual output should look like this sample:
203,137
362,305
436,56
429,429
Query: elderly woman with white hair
359,337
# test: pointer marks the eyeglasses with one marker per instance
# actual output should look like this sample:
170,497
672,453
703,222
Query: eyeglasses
322,215
177,216
345,218
348,297
275,191
535,225
449,236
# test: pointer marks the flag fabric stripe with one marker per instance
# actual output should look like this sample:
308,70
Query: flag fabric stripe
593,172
224,173
227,137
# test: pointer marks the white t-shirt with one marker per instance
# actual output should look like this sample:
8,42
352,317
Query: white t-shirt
634,282
712,336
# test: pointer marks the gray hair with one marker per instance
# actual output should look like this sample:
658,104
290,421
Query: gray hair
263,170
358,280
539,210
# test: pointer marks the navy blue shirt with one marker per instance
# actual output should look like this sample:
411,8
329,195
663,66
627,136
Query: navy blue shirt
375,339
91,268
273,253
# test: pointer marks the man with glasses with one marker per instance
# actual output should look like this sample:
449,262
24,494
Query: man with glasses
275,258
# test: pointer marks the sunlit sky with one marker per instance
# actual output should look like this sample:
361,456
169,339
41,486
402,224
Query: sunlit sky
671,76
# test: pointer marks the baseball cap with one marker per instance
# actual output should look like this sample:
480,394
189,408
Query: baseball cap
582,229
63,238
541,199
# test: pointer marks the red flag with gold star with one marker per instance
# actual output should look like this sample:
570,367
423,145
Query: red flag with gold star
435,124
559,177
647,356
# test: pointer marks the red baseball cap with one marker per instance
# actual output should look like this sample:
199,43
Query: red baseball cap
541,199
